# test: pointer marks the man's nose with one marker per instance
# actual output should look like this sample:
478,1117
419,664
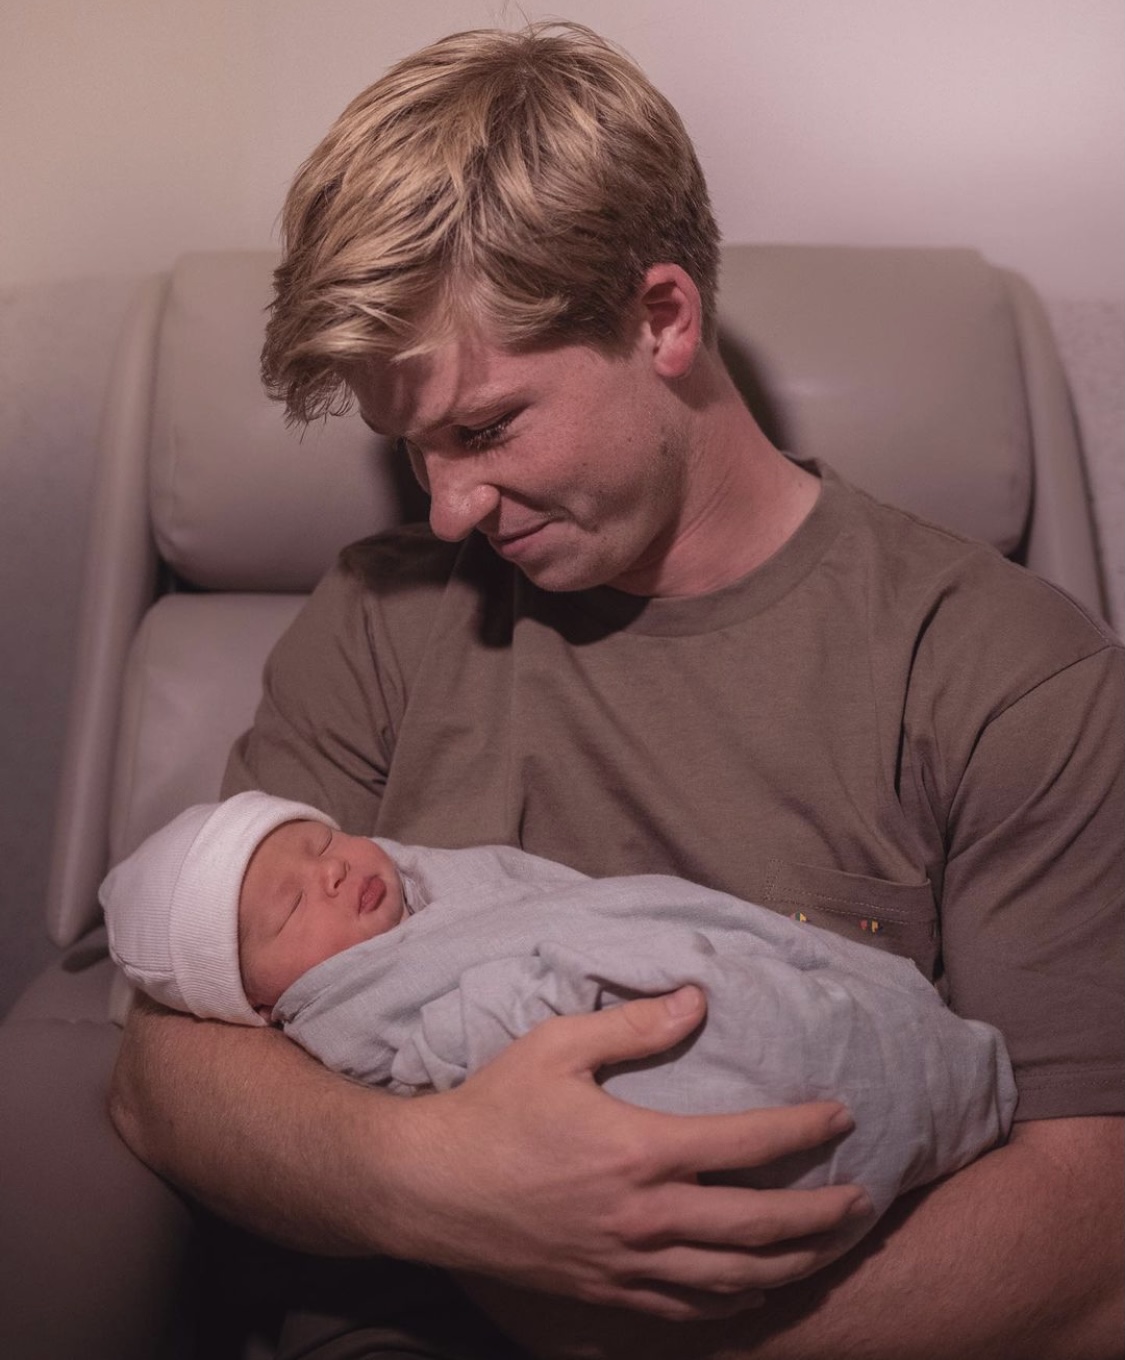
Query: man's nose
459,499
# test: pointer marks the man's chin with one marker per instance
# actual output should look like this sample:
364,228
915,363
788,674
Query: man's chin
551,568
561,578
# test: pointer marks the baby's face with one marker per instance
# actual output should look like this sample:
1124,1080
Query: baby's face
310,892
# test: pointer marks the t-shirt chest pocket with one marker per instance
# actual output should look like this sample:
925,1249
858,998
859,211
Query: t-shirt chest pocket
900,918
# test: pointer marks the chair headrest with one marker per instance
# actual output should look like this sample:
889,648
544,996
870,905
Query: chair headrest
238,501
900,367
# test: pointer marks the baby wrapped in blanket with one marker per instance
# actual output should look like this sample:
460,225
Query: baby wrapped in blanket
408,968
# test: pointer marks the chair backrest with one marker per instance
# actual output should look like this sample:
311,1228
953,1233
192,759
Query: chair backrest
925,376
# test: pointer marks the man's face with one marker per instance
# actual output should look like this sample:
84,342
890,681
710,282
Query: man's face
569,461
310,892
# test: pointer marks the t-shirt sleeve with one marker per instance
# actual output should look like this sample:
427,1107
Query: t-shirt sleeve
322,732
1032,915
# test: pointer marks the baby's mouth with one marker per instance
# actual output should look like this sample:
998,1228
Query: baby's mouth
371,895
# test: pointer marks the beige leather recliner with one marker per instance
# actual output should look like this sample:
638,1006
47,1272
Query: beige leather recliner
926,376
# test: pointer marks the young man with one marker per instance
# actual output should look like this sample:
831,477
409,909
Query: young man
634,632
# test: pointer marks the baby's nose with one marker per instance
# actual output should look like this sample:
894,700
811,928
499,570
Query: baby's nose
333,872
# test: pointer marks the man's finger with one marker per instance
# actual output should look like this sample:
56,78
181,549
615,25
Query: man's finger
690,1144
636,1029
733,1218
730,1274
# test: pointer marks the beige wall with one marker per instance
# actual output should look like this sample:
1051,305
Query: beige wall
132,130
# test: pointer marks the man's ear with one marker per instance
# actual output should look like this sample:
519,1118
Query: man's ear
672,317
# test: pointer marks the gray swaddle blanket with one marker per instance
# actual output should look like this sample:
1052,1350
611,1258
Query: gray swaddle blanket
795,1013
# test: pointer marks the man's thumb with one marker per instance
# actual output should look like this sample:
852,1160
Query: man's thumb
635,1029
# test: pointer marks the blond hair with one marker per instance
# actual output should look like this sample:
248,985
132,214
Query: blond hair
520,184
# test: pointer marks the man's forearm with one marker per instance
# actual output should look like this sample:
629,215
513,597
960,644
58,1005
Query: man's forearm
252,1127
528,1172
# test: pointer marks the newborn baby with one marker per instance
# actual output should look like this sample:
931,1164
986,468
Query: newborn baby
408,968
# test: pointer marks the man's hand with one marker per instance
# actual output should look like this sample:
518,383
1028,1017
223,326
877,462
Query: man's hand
531,1173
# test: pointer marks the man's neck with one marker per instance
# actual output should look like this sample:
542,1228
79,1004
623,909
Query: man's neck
743,500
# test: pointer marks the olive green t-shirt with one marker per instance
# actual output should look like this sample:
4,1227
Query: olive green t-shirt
886,730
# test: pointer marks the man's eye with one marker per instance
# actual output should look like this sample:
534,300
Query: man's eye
483,438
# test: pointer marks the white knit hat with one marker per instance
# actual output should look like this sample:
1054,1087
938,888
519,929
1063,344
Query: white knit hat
172,906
